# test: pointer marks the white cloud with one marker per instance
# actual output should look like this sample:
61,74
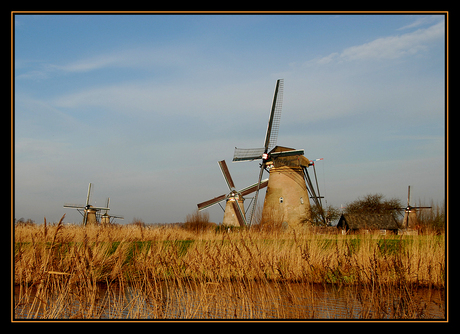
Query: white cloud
391,47
150,98
90,64
423,20
140,58
328,59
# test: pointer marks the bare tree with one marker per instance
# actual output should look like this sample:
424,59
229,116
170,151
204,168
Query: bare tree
375,204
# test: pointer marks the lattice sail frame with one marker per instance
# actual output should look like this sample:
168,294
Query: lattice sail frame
276,118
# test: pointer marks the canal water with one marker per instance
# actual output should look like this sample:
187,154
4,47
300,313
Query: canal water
228,300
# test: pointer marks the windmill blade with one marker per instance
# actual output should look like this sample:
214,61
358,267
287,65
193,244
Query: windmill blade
317,186
108,201
421,207
89,193
74,206
248,154
408,195
85,217
287,153
226,174
250,189
262,166
312,192
117,217
239,213
275,116
211,202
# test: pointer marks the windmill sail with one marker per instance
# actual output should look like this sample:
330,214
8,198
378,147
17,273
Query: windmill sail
275,116
271,136
245,191
248,154
74,206
226,174
211,202
239,213
252,188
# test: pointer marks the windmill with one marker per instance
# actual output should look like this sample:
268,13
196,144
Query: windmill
289,185
87,211
410,212
234,214
105,218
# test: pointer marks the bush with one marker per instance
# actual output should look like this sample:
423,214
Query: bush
138,222
375,204
198,222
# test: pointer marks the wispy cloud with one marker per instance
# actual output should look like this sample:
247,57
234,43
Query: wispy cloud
90,64
145,58
423,20
391,47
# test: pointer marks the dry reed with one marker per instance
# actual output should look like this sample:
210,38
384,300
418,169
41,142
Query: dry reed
59,269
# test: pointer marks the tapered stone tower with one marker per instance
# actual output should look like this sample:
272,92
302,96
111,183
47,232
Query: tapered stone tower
90,215
230,214
286,199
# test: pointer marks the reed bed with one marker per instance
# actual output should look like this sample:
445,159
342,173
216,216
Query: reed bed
174,273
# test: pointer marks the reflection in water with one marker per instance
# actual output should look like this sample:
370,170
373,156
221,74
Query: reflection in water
228,300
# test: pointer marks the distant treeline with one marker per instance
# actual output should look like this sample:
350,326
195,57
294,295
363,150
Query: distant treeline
431,219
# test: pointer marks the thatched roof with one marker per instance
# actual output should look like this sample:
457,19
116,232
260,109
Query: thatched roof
368,221
290,161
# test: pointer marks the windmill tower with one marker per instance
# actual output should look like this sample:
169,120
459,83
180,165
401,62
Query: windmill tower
410,213
234,213
289,184
88,211
286,199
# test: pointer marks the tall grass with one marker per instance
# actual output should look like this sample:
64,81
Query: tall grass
67,264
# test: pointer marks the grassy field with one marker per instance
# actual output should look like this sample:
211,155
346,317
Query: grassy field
131,253
70,261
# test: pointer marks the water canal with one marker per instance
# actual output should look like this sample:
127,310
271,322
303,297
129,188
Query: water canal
229,300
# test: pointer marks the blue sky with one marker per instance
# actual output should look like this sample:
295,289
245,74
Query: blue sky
143,106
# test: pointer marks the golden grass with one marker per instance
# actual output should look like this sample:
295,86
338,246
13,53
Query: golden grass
166,253
67,263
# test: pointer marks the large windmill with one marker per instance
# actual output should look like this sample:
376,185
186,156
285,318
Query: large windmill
289,185
234,213
410,213
88,211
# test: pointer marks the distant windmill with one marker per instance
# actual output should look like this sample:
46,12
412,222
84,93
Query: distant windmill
289,185
234,214
88,211
105,218
410,212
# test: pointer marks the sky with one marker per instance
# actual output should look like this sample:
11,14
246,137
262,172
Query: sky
143,107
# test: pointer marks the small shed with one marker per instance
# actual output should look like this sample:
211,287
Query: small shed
367,223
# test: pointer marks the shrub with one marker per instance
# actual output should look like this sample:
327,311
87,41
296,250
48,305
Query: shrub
198,222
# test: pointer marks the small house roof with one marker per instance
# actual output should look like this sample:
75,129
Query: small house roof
368,221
